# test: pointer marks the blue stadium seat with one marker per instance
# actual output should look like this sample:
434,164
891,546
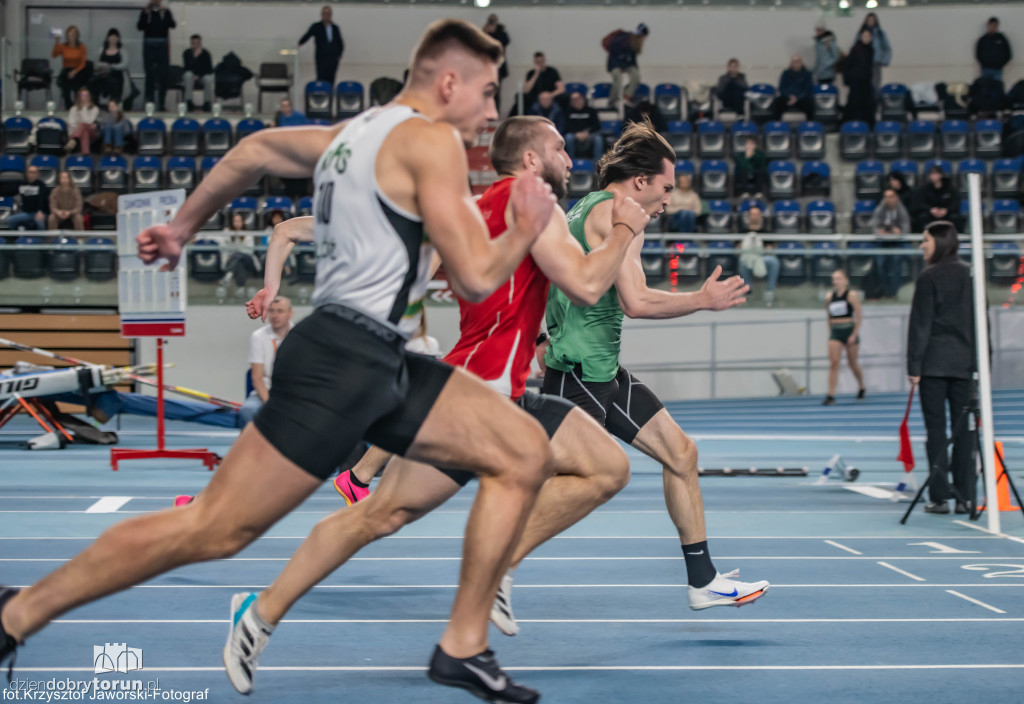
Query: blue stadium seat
64,261
100,264
711,139
714,179
216,137
680,136
720,218
685,166
971,166
29,258
12,171
888,140
305,206
741,131
206,166
859,266
921,142
152,136
350,99
810,141
652,259
786,217
643,92
908,169
854,140
576,87
1006,178
272,204
147,174
113,174
815,179
860,223
782,180
1005,217
723,254
684,261
7,209
319,101
582,179
247,126
305,262
82,171
205,265
181,173
826,104
988,139
17,131
49,168
600,94
668,98
611,130
51,135
823,264
953,139
792,267
944,164
760,98
185,137
868,180
1004,263
821,217
743,213
894,102
778,140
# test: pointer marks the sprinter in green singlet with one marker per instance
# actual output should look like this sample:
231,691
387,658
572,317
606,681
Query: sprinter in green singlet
583,357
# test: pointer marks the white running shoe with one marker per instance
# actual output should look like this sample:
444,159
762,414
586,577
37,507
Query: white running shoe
726,590
501,611
246,640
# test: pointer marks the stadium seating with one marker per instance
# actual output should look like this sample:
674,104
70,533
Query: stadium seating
786,217
17,133
668,97
82,171
12,171
792,266
782,183
185,137
63,262
711,139
720,218
51,135
860,220
350,99
247,126
921,142
760,99
868,180
49,168
821,217
305,206
988,139
741,132
971,166
582,179
1006,178
247,208
894,102
714,179
152,136
147,174
778,140
216,137
680,136
854,142
888,140
815,178
319,103
908,169
826,104
100,264
810,142
181,173
1005,217
953,139
113,174
723,254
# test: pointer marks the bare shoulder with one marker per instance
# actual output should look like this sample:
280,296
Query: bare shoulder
426,140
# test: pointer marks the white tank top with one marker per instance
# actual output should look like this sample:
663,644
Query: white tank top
372,255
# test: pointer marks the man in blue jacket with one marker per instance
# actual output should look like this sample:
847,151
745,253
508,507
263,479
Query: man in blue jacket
622,48
796,89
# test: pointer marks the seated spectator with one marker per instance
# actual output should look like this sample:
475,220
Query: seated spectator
35,203
289,117
891,224
541,79
826,54
65,205
198,67
756,262
547,107
684,206
74,73
108,76
583,130
936,199
751,172
115,127
239,254
82,127
796,89
732,88
898,183
263,346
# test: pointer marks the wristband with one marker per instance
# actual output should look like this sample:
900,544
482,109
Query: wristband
616,224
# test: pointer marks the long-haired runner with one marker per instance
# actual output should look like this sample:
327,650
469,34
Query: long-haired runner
845,316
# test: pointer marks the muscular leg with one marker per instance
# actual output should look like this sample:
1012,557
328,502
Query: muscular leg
253,487
835,355
852,353
371,462
590,468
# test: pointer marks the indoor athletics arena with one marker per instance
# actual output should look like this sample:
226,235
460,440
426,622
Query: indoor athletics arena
410,351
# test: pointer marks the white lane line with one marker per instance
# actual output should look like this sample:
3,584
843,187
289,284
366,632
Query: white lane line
601,558
843,547
568,668
991,534
903,572
975,601
875,492
108,504
368,587
554,620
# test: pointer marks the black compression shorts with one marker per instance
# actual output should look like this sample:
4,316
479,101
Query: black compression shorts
622,405
341,377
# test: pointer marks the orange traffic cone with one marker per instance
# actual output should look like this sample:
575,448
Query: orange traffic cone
1002,485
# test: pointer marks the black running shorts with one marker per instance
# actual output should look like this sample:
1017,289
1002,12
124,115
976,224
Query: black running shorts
622,405
549,410
341,377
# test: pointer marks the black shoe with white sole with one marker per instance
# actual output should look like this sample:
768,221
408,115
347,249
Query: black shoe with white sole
937,507
481,676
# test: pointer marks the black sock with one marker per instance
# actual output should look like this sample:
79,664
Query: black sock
699,570
356,480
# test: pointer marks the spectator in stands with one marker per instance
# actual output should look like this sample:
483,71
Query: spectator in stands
645,110
198,66
115,127
623,47
583,129
108,76
496,31
796,89
35,203
289,117
993,51
329,45
82,122
73,73
891,224
155,23
541,79
826,54
546,106
239,252
684,206
937,199
756,261
898,183
857,74
263,346
65,205
882,50
732,88
751,173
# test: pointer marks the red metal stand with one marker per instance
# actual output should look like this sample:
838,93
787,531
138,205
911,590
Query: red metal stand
210,459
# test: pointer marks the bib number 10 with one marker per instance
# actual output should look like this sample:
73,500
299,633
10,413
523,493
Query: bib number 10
324,200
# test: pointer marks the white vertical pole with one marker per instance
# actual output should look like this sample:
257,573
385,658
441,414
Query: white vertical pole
984,370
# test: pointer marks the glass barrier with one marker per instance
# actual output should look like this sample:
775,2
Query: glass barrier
70,269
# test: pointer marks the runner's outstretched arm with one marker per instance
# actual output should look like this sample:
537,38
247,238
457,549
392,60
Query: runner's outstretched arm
282,242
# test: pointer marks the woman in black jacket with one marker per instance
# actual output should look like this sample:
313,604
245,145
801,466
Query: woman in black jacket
941,361
937,199
858,70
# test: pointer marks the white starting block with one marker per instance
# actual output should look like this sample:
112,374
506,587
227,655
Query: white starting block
837,468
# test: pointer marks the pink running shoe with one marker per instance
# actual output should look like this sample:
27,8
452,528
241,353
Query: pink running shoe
350,491
182,500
